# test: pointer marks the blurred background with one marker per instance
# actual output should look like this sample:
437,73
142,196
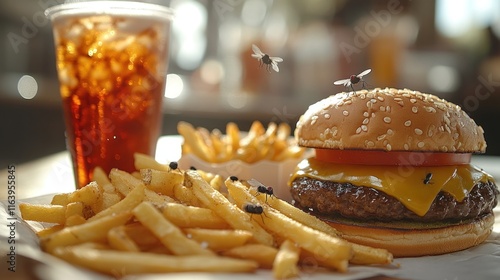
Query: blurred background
449,48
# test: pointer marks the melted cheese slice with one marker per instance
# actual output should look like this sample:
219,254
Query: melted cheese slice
405,183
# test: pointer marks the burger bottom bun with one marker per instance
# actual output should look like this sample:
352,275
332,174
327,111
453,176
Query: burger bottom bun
420,242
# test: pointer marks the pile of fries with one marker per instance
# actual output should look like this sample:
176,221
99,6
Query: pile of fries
162,219
259,143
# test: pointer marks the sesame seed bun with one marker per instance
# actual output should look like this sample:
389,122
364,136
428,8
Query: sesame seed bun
391,120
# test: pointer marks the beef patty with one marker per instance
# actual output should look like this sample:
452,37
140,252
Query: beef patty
330,199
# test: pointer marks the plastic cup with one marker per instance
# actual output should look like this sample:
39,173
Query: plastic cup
112,59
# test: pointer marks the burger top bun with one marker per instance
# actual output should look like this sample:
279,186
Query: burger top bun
391,120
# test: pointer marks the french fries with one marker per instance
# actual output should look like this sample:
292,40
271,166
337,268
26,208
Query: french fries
332,251
122,263
361,254
162,220
260,143
218,203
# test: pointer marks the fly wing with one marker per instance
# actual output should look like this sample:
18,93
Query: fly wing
276,59
275,66
344,82
364,73
257,51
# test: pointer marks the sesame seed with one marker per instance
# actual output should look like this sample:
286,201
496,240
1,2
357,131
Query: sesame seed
382,108
430,109
387,108
406,146
373,114
420,144
407,123
373,100
430,132
447,129
413,100
380,98
327,116
381,137
365,114
366,120
414,109
389,147
345,113
358,130
313,121
370,144
390,132
387,119
364,128
418,131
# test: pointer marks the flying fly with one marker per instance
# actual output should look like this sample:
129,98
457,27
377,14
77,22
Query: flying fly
265,59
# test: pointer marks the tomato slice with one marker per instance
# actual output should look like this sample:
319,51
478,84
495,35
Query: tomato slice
363,157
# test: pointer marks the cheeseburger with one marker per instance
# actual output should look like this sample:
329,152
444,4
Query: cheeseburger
392,170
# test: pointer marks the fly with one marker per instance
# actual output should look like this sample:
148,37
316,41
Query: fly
265,59
354,79
427,179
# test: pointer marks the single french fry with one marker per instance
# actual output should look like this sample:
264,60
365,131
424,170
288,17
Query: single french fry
89,231
142,161
74,220
60,199
119,263
231,213
99,176
123,181
88,195
156,199
162,181
134,198
195,142
185,195
119,240
332,251
185,216
264,255
43,213
285,263
49,230
219,239
217,182
109,199
169,234
232,137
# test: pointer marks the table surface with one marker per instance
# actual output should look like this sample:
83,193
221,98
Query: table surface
54,174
